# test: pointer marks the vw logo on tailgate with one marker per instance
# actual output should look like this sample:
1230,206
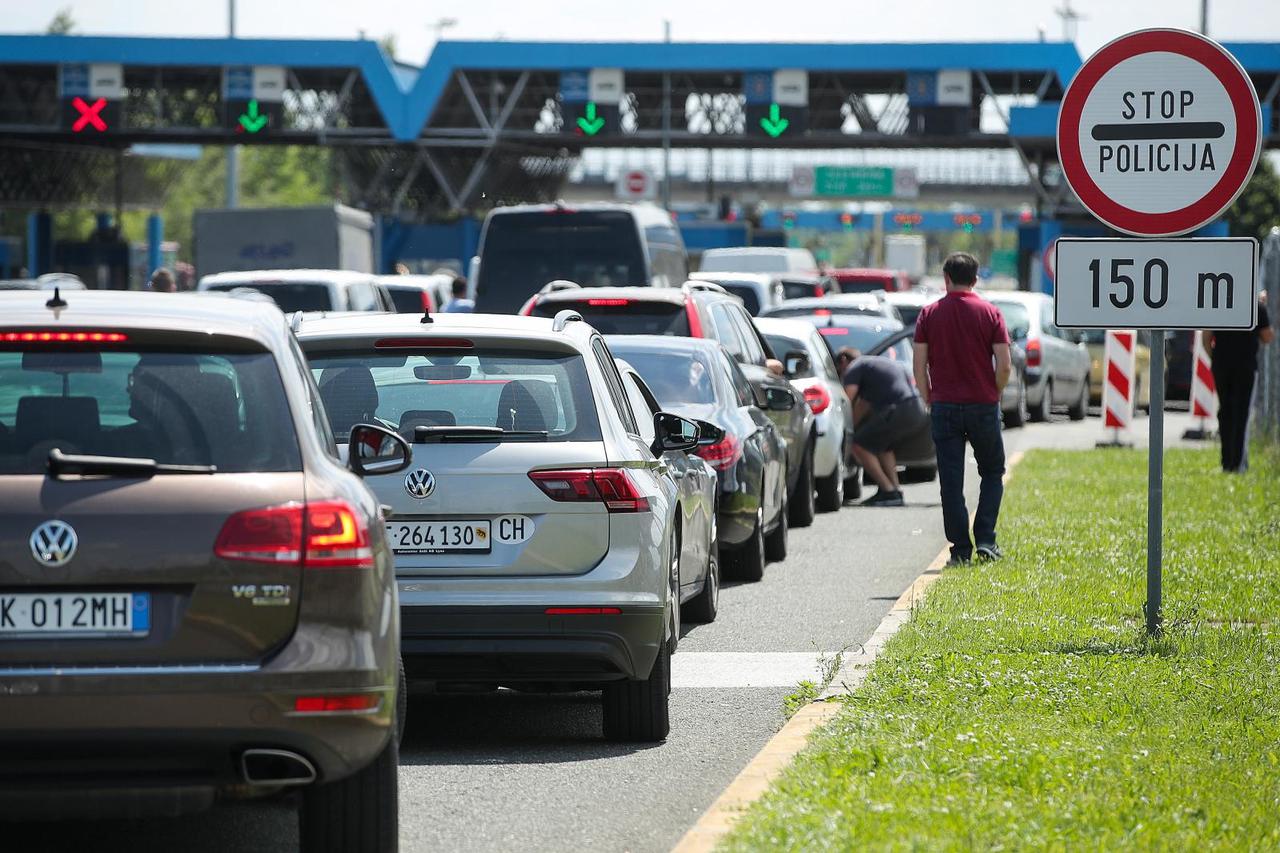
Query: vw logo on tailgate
420,483
53,543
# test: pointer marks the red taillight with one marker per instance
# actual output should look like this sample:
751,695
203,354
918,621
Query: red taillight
722,455
833,330
269,535
336,537
423,343
49,337
822,312
1033,353
611,486
817,290
818,398
333,532
341,702
613,303
695,322
583,611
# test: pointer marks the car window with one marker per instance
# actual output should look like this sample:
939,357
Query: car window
614,382
1016,319
407,300
290,296
228,410
675,378
747,293
782,345
755,350
518,390
314,402
362,297
727,332
640,407
1046,320
818,350
741,386
624,316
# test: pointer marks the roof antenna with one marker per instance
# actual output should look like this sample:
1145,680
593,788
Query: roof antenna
426,317
57,301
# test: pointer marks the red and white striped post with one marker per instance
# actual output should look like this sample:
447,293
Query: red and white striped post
1204,393
1117,385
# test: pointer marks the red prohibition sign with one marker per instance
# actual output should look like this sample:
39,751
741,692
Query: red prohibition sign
90,114
1243,157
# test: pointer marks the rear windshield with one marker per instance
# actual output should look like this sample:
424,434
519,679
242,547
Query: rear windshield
800,289
863,283
807,312
407,300
521,252
909,313
227,410
1016,319
675,378
782,345
747,294
861,338
512,390
291,296
625,316
713,261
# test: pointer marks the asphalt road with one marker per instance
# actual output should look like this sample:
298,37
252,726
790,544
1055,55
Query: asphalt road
529,772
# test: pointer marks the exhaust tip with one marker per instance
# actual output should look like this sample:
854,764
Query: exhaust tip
276,767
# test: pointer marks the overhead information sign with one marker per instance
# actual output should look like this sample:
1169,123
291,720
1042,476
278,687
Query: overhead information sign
590,100
777,102
1118,283
253,98
91,96
853,182
1158,132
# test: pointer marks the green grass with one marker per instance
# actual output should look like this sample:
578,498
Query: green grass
1022,707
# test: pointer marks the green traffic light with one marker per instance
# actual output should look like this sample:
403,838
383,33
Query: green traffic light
252,120
591,123
774,124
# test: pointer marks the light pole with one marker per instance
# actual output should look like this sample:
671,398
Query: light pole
438,26
233,151
666,123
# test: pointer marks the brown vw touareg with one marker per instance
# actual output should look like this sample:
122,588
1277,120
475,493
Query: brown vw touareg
196,595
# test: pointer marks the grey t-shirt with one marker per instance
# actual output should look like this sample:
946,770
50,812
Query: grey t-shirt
881,381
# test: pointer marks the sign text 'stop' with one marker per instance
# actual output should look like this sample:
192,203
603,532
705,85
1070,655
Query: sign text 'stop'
1159,132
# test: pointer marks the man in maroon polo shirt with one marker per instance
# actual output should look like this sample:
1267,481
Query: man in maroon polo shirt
962,363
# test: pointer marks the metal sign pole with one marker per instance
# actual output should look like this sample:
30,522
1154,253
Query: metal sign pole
1155,486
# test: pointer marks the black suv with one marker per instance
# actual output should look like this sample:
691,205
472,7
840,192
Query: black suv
701,309
197,597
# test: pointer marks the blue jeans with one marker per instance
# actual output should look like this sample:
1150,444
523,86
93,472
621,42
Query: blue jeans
978,424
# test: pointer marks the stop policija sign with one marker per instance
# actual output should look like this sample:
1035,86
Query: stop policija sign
1158,132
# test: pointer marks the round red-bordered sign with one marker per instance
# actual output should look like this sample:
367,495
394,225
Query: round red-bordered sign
1198,211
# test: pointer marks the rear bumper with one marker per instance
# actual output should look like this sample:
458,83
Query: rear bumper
521,644
168,742
827,446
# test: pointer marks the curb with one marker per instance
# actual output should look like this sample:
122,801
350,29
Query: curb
754,779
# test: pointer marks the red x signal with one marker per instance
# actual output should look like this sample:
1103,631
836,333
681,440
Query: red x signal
90,114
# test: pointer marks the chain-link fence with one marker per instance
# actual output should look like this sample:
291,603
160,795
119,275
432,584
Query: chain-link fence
1268,397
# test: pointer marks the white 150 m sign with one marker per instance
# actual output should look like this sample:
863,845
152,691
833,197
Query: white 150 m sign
1106,283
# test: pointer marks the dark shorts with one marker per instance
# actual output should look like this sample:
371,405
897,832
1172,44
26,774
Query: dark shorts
889,427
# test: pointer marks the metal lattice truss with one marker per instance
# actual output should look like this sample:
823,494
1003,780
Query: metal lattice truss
48,176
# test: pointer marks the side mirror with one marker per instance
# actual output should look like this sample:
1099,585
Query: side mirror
796,362
673,433
779,399
374,450
709,433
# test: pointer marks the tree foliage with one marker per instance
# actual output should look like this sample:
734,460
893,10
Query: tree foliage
62,24
1257,210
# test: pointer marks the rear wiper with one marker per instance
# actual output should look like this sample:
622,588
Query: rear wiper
118,466
448,434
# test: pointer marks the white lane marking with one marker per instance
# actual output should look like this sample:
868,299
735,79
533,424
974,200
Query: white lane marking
744,669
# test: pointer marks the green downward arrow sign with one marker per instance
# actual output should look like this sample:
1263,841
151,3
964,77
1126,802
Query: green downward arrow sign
252,120
591,123
775,124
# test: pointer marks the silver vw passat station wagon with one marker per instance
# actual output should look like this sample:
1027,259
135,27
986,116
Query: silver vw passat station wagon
536,534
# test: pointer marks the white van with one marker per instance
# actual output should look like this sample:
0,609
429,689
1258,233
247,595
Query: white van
759,259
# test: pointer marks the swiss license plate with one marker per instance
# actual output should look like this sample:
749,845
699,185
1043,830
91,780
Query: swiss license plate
438,537
75,614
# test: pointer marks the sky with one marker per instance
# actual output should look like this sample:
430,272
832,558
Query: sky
629,20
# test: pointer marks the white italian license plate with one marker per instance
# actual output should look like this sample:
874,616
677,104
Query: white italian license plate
75,613
438,537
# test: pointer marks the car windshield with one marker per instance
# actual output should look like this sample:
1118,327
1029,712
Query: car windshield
675,378
290,296
625,316
521,252
177,408
859,336
516,391
1016,318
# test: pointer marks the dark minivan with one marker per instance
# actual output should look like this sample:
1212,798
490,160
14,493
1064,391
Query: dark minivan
525,247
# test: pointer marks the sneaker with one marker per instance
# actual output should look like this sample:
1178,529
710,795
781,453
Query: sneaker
883,498
957,561
989,553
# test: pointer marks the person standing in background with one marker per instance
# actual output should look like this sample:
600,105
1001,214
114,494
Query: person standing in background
958,339
1234,358
162,281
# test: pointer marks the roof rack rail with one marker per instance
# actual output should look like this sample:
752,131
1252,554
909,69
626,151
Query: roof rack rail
564,318
705,285
560,284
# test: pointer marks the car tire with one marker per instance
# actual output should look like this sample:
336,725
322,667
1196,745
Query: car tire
831,488
638,710
1079,410
1018,417
800,507
358,814
704,606
749,560
775,543
1040,412
853,485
